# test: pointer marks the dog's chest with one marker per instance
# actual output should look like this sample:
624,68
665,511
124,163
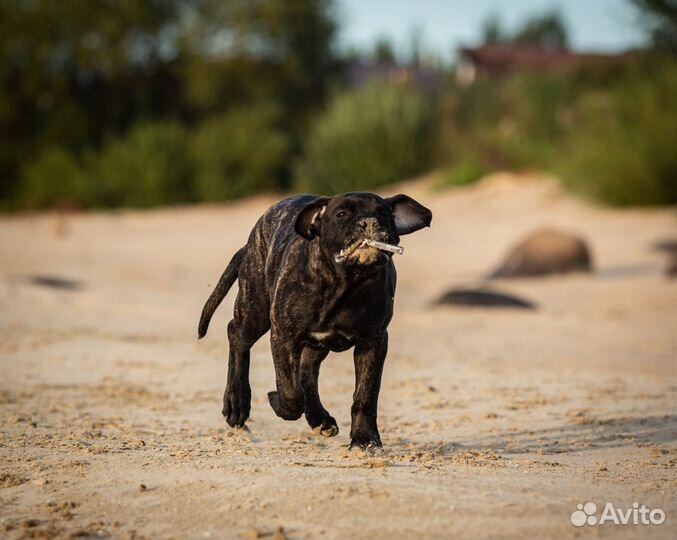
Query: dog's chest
360,314
333,340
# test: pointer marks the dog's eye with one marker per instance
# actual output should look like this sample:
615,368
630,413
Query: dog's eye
341,214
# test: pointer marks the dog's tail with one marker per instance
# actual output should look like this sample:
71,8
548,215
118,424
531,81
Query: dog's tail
219,293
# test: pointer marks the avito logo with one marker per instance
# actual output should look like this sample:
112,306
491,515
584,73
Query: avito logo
586,514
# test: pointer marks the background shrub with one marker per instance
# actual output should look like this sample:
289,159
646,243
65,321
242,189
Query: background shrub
79,73
623,149
151,109
151,165
609,132
55,178
367,138
239,152
462,173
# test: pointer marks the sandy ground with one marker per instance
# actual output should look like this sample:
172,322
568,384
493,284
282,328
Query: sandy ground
496,424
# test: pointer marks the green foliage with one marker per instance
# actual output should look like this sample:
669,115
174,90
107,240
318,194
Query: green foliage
624,148
367,138
660,20
159,163
462,173
239,152
152,165
143,103
608,131
83,74
546,30
492,29
73,71
55,178
384,52
263,50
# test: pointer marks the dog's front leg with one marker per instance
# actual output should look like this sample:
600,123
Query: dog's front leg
287,400
369,359
317,416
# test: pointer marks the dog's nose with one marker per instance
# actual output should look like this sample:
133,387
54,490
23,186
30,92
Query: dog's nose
368,223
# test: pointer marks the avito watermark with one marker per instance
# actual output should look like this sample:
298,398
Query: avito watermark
638,514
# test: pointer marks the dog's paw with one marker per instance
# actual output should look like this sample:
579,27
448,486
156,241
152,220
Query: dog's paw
236,407
368,443
287,410
320,421
328,428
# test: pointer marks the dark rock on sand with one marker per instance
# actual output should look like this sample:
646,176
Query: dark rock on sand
669,247
671,270
55,282
483,297
544,252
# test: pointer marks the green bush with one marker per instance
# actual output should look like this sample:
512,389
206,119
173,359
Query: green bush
228,156
608,131
55,178
367,138
151,165
462,173
623,149
239,152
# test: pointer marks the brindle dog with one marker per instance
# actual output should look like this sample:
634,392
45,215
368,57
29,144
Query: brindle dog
292,283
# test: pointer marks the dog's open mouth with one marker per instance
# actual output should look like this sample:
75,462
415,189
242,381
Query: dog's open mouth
369,246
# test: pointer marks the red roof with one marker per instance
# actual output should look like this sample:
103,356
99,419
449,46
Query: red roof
504,58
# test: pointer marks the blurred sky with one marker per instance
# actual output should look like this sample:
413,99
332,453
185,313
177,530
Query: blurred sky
594,25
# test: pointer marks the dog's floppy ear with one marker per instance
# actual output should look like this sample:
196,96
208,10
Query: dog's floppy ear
308,220
410,216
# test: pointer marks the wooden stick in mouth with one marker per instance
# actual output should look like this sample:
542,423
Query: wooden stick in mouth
384,247
343,254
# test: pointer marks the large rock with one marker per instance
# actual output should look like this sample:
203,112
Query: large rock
669,247
544,252
671,269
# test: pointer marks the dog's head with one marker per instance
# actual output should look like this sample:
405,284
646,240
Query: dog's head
343,222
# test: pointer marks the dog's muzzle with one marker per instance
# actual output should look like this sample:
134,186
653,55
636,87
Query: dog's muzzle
369,239
345,253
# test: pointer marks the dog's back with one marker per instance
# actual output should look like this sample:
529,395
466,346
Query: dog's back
267,245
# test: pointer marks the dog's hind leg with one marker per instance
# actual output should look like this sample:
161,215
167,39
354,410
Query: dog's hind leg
251,321
317,416
287,400
238,394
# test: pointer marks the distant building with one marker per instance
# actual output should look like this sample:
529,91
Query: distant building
501,59
421,76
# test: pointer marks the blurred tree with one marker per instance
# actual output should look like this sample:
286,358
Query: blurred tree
74,74
384,52
70,71
660,18
547,31
242,50
492,29
415,45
